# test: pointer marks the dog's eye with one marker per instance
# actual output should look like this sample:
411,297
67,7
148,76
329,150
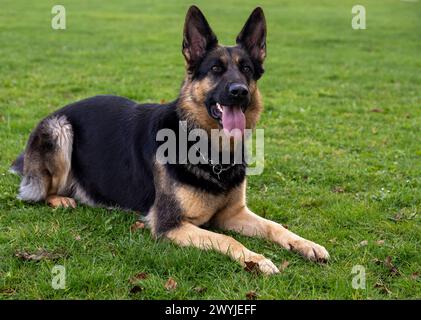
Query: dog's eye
217,69
246,69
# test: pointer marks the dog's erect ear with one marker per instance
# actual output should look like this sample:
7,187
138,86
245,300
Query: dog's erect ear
253,36
198,37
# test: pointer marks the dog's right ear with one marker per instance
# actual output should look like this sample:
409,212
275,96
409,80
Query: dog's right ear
198,37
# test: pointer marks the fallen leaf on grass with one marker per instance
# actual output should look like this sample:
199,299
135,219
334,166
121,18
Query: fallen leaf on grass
388,264
403,215
200,289
136,289
7,291
397,217
137,277
380,242
265,188
41,254
415,276
382,287
251,295
363,243
378,110
137,225
171,284
251,266
284,265
338,189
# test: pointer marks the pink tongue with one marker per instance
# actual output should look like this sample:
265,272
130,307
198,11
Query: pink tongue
233,121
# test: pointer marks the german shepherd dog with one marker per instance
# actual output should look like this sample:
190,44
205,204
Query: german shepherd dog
101,151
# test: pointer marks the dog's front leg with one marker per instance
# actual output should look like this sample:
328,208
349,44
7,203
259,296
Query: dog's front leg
190,235
244,221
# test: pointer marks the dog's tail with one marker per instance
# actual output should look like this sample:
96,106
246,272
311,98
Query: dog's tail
17,165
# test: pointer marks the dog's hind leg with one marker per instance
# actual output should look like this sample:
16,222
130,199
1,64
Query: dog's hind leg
56,201
47,163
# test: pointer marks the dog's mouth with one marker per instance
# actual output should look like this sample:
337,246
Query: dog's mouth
230,118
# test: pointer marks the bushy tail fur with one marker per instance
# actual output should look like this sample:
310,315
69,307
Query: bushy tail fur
45,164
17,165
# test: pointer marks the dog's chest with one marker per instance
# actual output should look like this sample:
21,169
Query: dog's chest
197,206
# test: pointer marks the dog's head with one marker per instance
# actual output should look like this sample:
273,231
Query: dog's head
220,87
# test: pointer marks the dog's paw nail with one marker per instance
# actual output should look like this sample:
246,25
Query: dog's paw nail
320,253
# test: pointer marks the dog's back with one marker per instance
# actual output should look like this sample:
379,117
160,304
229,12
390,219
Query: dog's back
107,159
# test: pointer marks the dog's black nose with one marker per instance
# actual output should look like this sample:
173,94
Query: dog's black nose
238,90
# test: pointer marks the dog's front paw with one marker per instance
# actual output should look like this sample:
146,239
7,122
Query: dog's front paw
267,267
264,265
310,250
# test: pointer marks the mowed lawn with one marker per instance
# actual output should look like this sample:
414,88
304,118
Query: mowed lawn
342,127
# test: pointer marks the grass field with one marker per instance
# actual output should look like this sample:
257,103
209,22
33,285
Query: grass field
342,127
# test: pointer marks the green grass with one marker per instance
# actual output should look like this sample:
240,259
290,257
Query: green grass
322,80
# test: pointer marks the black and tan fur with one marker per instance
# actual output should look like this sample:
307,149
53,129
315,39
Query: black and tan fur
101,151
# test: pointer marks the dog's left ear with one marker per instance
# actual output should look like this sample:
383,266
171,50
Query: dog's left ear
198,37
253,36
